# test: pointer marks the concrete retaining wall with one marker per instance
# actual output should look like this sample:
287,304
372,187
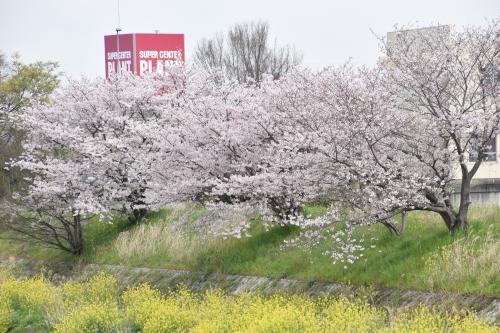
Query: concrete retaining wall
483,192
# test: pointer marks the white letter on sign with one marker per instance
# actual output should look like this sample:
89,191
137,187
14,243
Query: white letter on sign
143,66
111,67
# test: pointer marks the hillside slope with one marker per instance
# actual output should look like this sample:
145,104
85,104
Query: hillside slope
425,257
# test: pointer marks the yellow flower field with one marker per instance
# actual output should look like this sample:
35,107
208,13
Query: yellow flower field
100,305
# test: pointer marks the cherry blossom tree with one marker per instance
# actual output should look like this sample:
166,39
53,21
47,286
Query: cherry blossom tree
389,140
447,82
87,156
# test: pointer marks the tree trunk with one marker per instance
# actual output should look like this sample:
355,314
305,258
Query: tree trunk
393,229
449,218
77,241
457,221
460,222
137,215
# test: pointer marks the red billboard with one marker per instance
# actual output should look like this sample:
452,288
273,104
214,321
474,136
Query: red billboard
142,53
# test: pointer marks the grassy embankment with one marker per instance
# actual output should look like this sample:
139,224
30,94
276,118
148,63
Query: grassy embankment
425,257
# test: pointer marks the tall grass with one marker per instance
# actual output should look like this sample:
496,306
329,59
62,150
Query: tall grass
472,259
153,239
162,238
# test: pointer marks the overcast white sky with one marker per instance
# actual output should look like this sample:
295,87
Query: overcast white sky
327,32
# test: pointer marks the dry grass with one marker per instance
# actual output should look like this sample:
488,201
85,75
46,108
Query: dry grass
471,258
483,212
160,238
181,235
